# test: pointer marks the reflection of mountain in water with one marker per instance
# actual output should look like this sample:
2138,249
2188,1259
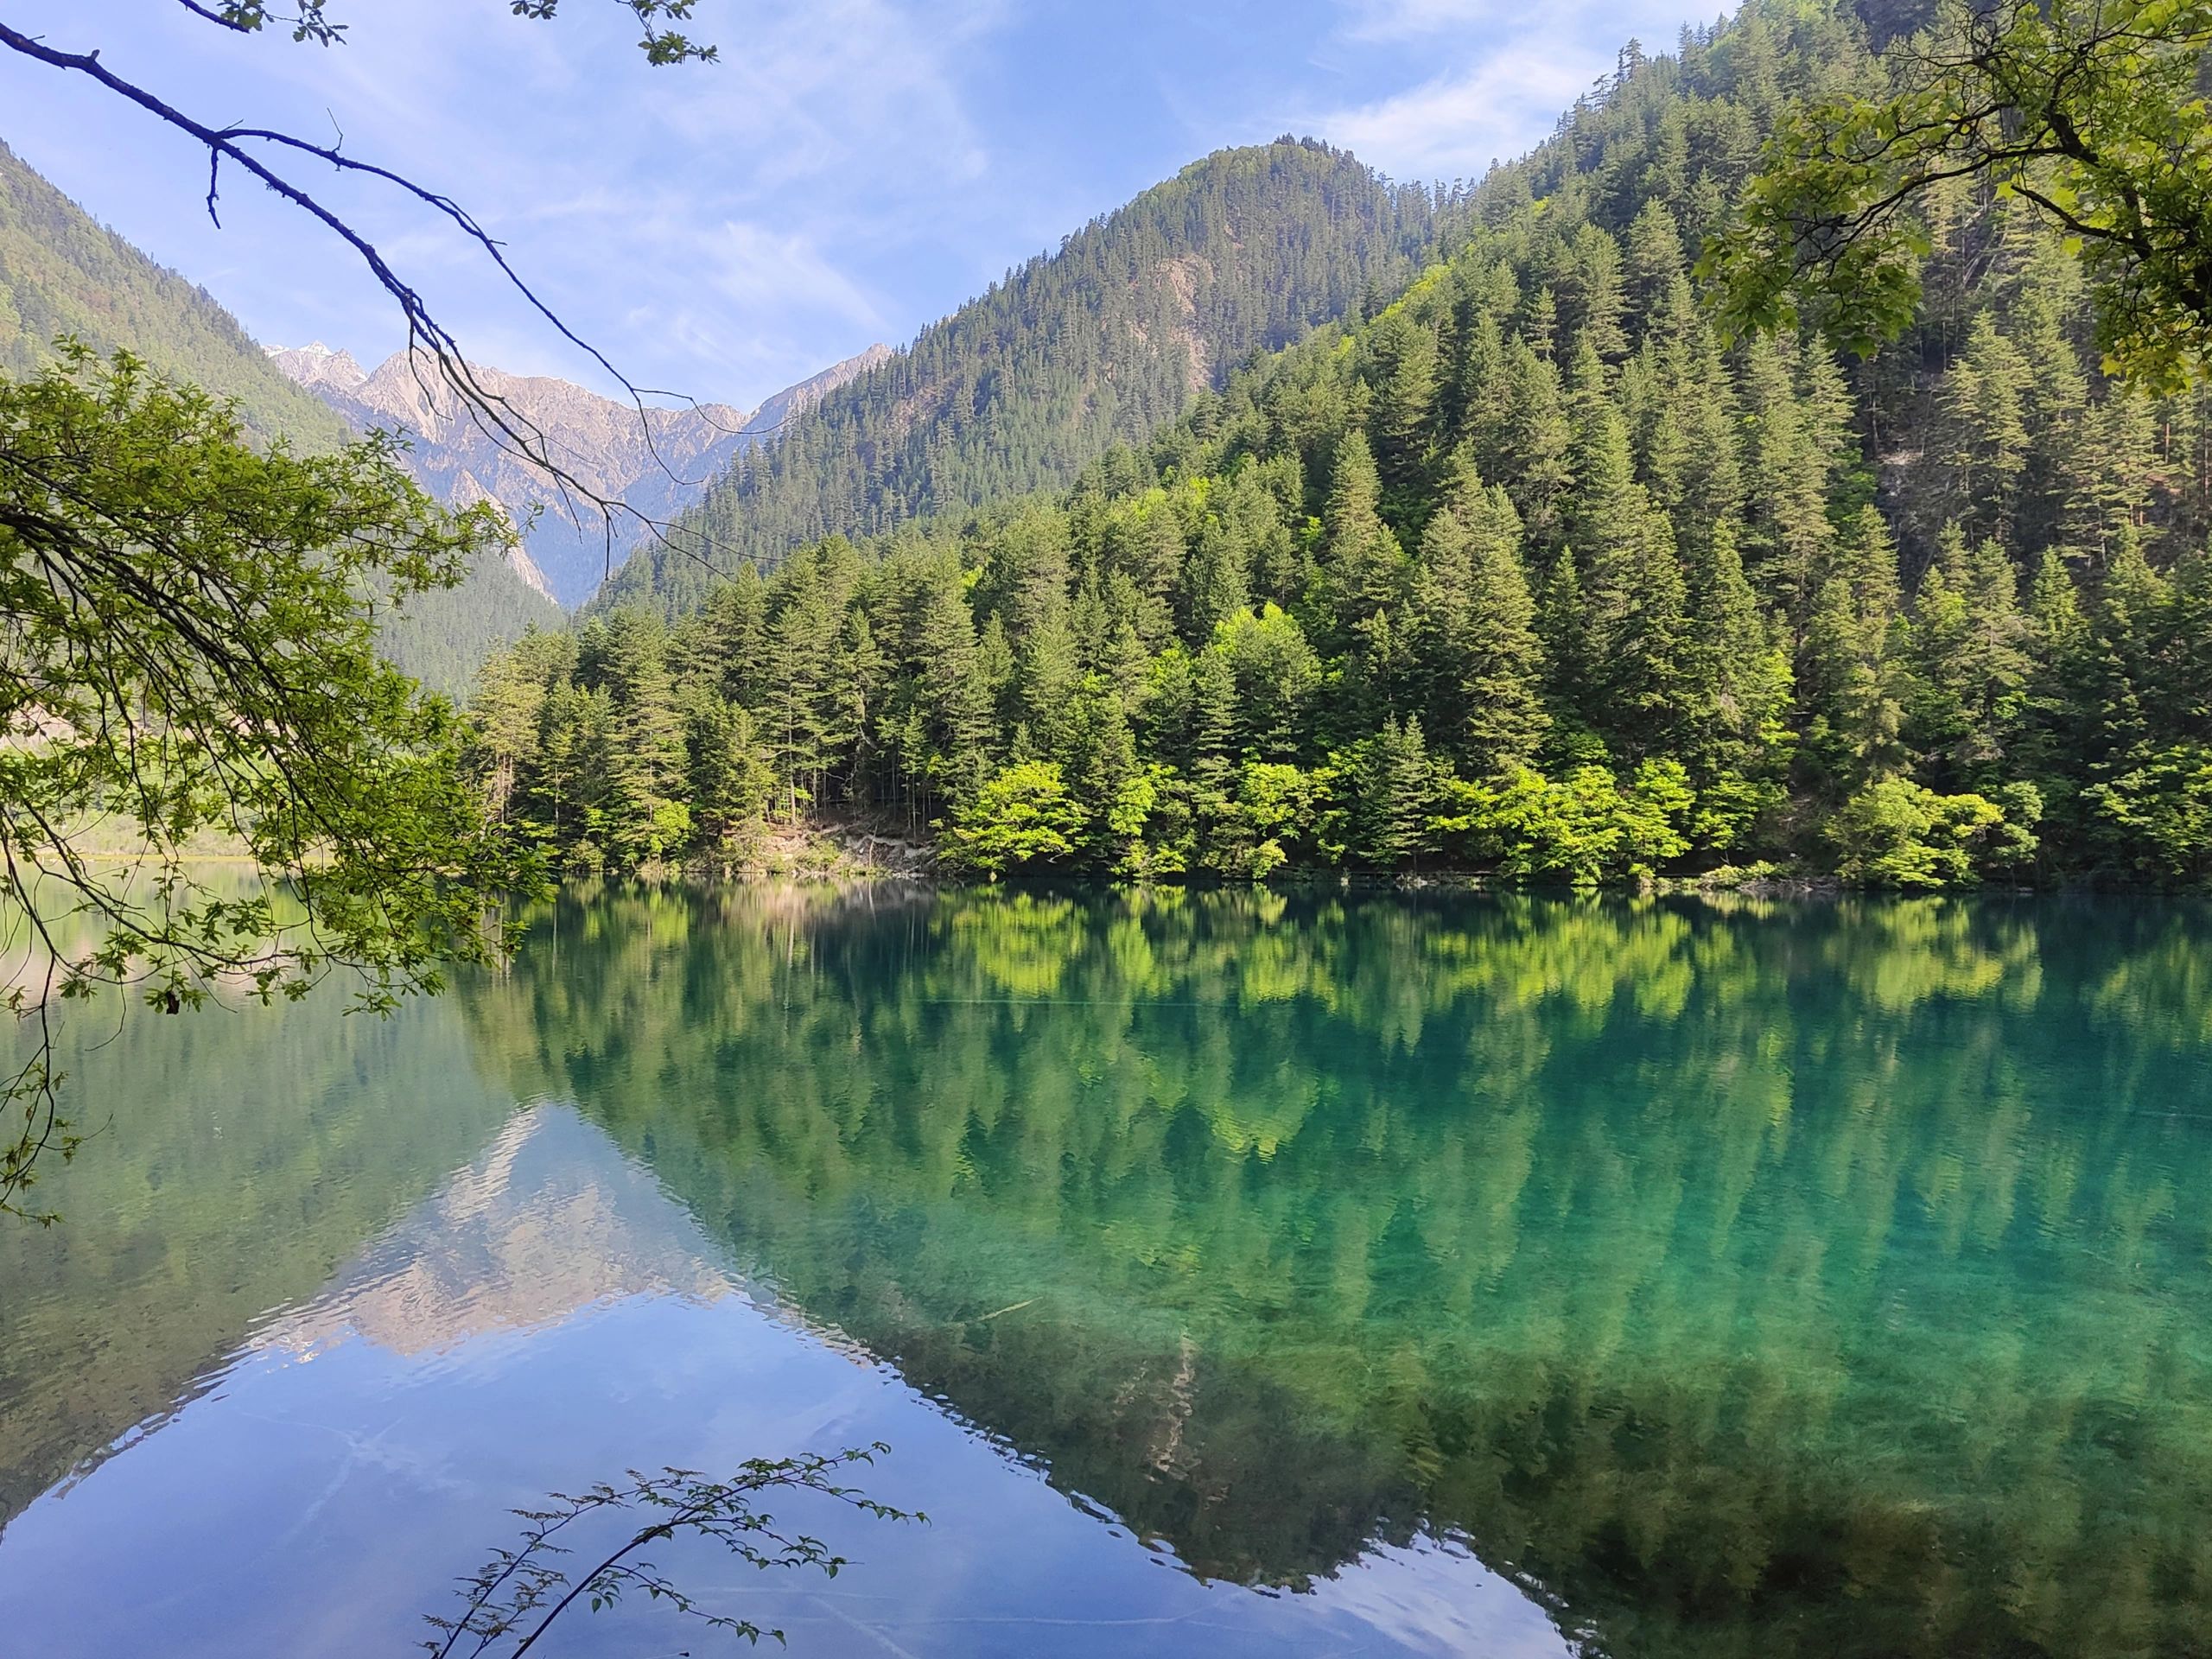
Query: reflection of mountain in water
1765,1281
235,1160
550,1219
1781,1280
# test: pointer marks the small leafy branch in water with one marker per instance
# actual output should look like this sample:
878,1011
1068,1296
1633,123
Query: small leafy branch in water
515,1597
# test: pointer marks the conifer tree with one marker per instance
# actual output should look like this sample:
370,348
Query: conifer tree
729,781
1098,757
1396,796
1400,372
1534,445
646,817
507,711
1365,569
1969,663
1848,678
1475,632
1214,583
945,698
1788,537
1986,432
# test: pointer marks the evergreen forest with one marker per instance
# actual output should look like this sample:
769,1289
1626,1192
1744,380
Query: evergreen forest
1108,339
1522,568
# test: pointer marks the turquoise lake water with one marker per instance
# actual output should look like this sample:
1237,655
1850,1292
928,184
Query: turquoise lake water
1229,1272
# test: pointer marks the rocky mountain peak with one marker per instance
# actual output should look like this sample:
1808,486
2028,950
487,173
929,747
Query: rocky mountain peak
315,367
656,464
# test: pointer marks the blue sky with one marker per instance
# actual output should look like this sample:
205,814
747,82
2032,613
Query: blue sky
850,171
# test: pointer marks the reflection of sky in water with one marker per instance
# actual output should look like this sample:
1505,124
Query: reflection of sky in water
365,1449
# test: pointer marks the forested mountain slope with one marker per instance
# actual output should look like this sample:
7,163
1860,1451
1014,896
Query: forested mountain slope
1105,341
1529,573
60,273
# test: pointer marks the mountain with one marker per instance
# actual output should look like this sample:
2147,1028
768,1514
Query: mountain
657,465
1130,323
1524,570
60,273
317,367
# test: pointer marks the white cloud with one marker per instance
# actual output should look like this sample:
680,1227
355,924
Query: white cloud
1514,72
811,85
758,270
1456,126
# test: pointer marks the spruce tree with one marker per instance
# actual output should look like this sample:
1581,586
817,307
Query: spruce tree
1364,572
1475,633
729,781
1400,369
1849,680
1396,790
646,819
1986,432
945,697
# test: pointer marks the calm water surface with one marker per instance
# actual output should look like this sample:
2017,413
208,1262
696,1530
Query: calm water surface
1230,1274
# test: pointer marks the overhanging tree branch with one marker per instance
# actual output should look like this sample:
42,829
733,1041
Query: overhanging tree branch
435,353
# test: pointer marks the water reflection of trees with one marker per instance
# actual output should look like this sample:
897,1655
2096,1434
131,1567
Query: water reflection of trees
1754,1278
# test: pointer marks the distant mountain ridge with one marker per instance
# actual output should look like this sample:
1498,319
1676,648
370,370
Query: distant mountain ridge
658,465
1107,340
315,367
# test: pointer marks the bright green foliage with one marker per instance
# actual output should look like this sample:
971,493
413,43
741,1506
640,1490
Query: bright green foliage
2162,812
1022,816
2089,111
1899,833
1582,830
189,651
1278,814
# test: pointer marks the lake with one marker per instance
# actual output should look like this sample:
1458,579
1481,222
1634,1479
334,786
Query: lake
1229,1272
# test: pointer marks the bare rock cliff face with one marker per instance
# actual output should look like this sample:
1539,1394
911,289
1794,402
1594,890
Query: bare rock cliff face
657,464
